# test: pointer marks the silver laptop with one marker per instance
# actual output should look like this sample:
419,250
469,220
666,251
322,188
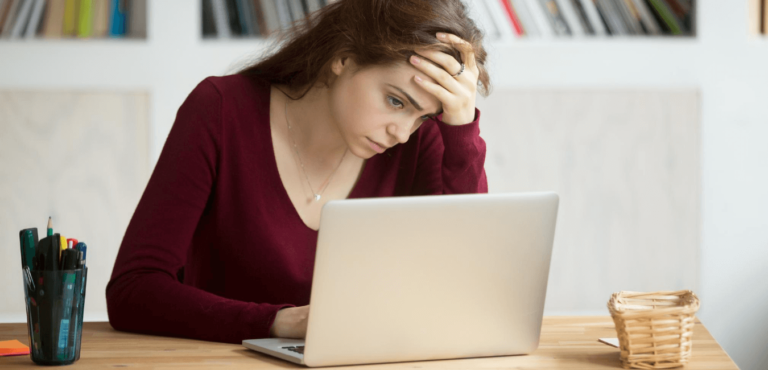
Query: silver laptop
425,278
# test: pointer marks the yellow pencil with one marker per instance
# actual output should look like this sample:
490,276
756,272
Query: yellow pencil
62,245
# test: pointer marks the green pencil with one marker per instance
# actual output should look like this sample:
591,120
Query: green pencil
50,226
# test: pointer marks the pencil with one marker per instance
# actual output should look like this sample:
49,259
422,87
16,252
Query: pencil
50,226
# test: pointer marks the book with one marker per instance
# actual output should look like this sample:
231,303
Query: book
54,19
611,17
313,5
251,17
571,17
501,20
70,18
234,20
34,26
137,19
271,17
22,18
649,22
683,10
283,13
209,26
668,19
555,17
84,18
595,20
5,6
542,24
100,18
630,17
10,18
765,17
578,7
513,19
297,10
243,17
117,18
221,18
529,25
477,11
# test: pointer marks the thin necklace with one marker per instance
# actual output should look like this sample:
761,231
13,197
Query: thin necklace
328,181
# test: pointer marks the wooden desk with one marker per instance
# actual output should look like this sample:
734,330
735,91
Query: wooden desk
566,343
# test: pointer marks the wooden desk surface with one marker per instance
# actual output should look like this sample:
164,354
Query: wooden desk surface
566,343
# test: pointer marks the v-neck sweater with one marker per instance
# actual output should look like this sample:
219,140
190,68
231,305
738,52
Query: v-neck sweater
215,205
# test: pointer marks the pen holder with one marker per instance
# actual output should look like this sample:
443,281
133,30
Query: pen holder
655,329
55,301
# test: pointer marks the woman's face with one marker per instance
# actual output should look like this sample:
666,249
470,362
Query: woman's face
373,105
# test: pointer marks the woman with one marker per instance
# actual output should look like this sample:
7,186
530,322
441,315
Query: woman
221,246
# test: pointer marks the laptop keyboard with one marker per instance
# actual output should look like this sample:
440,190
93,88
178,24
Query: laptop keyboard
297,349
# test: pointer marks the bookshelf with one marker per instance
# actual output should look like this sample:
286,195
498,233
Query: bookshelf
725,62
758,17
66,20
501,19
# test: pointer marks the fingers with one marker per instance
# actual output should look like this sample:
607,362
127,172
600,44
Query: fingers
467,52
437,90
438,74
456,93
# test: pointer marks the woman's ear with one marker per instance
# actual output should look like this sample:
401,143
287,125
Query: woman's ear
338,65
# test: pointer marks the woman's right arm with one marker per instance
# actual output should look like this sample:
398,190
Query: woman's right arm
143,294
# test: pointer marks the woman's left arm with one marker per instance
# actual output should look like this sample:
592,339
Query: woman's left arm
451,159
451,152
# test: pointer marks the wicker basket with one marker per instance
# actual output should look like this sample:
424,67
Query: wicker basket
654,329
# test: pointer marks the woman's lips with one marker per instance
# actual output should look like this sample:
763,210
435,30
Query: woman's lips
375,146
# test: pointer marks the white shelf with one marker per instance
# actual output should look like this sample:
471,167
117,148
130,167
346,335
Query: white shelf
106,63
723,61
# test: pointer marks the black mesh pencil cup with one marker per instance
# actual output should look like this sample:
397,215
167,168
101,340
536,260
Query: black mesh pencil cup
55,302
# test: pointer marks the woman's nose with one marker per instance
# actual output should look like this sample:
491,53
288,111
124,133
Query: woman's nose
400,133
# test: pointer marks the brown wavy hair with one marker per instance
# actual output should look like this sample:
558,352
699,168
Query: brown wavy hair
372,33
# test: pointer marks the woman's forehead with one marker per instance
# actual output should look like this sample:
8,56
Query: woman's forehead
400,78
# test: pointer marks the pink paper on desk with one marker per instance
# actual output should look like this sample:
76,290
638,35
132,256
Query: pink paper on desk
13,348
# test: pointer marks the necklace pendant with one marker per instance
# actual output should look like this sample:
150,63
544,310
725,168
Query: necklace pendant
317,197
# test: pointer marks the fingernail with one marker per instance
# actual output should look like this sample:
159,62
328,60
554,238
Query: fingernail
415,59
440,35
417,78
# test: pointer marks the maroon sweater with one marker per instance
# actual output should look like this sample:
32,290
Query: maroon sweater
216,206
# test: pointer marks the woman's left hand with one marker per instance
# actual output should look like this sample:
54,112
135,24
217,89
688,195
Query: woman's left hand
456,93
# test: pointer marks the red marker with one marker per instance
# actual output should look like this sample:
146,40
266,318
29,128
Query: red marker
71,242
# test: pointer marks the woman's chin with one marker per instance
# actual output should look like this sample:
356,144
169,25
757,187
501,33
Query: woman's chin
362,153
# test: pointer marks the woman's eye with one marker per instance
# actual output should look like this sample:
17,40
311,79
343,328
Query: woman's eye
391,99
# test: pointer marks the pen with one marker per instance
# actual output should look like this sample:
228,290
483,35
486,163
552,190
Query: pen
62,247
80,305
54,252
83,249
46,260
22,243
73,241
31,244
28,239
47,257
69,263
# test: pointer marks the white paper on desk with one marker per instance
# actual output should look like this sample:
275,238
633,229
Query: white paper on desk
611,341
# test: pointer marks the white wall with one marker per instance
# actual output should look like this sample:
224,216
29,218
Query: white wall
733,69
626,164
727,65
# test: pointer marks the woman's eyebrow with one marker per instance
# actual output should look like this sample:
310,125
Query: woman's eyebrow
410,99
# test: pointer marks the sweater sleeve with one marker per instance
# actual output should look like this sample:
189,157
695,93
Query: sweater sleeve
451,159
144,294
